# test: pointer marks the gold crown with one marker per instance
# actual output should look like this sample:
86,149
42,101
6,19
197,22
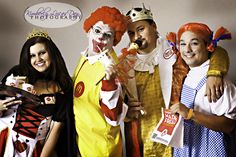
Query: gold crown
137,14
38,33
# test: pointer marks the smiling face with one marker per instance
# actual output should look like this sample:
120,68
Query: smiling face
146,32
193,49
101,37
39,57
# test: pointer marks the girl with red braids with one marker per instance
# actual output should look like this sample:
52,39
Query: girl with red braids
98,102
208,127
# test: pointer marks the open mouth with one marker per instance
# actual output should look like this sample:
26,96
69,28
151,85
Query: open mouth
97,46
189,55
40,64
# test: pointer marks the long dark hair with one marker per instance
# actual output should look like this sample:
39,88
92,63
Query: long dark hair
58,73
57,70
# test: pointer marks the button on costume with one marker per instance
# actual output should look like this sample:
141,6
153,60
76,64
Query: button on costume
35,127
97,110
24,128
153,74
98,100
158,84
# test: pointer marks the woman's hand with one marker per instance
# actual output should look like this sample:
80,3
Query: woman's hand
4,104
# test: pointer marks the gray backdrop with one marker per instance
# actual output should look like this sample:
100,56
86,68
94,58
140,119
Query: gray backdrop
72,40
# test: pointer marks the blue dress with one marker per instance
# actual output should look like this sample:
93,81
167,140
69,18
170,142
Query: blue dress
198,140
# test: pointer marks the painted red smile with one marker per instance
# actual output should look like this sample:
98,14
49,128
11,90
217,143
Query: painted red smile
97,46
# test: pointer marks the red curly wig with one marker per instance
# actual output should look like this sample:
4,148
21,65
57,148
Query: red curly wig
110,16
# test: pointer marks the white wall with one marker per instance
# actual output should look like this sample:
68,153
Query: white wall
71,40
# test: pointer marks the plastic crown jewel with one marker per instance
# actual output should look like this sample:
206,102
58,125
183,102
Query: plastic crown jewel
137,14
38,33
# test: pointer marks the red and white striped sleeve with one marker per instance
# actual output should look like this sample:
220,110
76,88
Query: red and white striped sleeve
111,101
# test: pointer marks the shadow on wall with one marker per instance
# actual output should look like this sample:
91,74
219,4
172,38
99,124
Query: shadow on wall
231,49
225,11
9,20
211,7
9,29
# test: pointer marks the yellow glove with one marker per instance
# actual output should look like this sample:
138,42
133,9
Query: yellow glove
219,62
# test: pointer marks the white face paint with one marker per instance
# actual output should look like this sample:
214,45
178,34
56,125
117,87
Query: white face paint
101,37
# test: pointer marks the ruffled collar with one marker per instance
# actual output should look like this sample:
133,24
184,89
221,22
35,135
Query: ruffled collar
147,62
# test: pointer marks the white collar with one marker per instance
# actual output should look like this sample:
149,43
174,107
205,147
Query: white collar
147,62
196,74
101,57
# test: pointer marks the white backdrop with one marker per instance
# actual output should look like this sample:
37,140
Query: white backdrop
71,40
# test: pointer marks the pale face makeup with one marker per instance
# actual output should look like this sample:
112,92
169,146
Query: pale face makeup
39,57
193,49
101,37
